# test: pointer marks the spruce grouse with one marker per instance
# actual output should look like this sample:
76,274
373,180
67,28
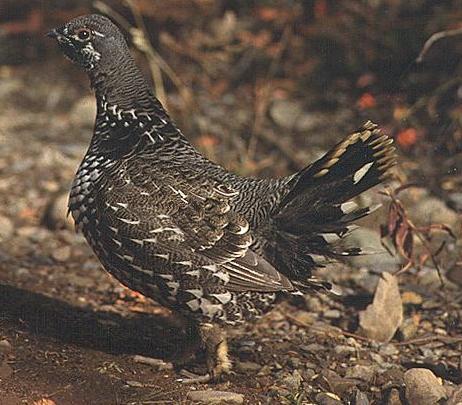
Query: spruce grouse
167,222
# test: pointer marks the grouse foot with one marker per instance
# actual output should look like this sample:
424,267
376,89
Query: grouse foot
216,356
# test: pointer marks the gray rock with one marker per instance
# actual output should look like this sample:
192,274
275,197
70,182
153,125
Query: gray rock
423,387
312,348
432,210
344,350
309,121
382,318
454,274
285,113
378,259
327,398
360,372
332,314
5,346
455,201
340,386
6,228
360,398
247,367
388,349
215,397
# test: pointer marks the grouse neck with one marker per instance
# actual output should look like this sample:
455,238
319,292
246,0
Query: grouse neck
120,83
129,117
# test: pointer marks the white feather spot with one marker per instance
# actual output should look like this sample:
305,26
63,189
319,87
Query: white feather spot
208,308
137,241
193,304
130,222
360,173
128,258
196,292
173,286
330,237
162,256
348,207
138,268
193,273
222,276
210,267
185,263
243,229
224,298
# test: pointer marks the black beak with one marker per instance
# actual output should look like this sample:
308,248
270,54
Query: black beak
53,34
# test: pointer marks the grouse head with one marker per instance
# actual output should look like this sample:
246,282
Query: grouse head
90,41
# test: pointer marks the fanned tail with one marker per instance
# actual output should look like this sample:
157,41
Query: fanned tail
316,214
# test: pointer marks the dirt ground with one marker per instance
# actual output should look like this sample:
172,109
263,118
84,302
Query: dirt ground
69,332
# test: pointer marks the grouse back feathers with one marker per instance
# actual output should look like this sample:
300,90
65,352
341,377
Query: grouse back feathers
169,223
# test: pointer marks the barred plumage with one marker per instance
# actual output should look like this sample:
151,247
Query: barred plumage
179,228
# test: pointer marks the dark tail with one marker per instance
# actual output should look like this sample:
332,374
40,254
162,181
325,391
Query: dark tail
316,214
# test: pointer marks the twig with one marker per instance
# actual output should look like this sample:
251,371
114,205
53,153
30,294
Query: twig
398,219
434,38
118,18
285,150
159,363
140,40
262,94
329,330
428,339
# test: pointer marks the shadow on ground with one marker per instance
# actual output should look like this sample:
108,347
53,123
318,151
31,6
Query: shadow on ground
136,333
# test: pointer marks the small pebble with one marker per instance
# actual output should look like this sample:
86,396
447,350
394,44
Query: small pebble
5,346
62,254
328,398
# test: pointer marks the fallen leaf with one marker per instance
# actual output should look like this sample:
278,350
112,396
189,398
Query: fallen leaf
366,101
207,141
407,137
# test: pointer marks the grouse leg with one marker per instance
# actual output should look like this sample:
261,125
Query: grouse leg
216,354
216,350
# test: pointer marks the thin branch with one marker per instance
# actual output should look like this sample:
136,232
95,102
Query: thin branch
329,330
434,38
140,40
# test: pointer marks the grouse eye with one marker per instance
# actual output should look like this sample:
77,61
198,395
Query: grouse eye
83,34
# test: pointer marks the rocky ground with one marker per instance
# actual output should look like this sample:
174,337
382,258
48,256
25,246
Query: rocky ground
70,334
